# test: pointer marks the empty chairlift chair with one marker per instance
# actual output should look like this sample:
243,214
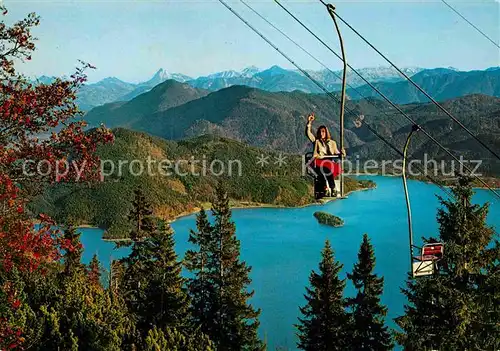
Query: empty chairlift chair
426,262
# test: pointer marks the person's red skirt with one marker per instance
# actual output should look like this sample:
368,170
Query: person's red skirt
332,166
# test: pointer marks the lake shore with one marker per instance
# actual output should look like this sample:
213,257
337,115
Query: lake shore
250,205
241,205
492,182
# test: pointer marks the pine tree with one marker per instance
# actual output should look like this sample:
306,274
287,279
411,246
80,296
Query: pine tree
73,252
457,309
94,271
367,331
236,319
151,282
227,317
135,274
325,322
167,302
197,261
140,216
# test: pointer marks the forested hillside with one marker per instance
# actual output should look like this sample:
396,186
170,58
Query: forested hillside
178,190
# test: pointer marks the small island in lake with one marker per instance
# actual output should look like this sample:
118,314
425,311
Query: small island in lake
328,219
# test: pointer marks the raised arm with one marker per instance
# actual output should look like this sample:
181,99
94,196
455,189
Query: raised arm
309,133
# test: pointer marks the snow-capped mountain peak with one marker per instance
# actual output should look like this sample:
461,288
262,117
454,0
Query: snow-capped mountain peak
162,75
273,71
250,71
225,74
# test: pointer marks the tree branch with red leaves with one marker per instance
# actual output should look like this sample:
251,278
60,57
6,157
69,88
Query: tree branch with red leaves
38,123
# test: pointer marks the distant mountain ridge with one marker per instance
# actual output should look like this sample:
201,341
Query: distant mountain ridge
277,78
162,75
164,96
440,83
443,82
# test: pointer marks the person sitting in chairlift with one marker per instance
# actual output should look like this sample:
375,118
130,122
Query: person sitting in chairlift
324,149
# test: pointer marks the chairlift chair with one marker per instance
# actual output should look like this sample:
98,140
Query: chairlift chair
426,263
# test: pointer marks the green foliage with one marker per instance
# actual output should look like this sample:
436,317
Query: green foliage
173,340
83,318
323,326
61,308
167,300
156,340
328,219
220,280
367,331
197,262
457,309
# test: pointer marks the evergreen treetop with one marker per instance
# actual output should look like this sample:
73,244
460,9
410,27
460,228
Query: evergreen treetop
368,331
324,324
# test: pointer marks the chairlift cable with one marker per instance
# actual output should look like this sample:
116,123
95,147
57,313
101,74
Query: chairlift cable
302,48
367,99
323,88
470,23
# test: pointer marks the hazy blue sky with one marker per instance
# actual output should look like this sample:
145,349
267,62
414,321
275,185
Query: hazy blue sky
132,39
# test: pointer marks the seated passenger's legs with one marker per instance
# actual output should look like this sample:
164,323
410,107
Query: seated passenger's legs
328,169
330,179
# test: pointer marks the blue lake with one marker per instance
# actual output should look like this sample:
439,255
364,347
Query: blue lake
284,245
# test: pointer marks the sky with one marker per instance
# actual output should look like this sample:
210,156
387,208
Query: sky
131,40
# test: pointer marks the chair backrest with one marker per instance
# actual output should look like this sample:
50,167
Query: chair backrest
308,156
433,249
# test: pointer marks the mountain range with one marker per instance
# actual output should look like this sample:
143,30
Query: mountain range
442,83
276,120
